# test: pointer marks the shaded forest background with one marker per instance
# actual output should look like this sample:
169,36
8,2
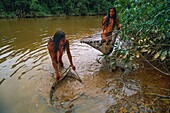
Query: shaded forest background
43,8
146,23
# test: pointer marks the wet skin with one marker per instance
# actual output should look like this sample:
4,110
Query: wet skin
57,57
109,28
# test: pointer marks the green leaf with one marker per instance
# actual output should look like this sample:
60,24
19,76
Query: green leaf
151,42
163,55
131,58
152,52
137,55
124,56
163,35
144,50
148,51
157,54
146,45
140,42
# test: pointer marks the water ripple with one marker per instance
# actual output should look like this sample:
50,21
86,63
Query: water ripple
4,56
18,62
17,70
4,47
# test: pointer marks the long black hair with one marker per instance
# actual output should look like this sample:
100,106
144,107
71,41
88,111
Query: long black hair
56,39
106,23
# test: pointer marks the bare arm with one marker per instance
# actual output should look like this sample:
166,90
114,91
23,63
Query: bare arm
69,56
118,24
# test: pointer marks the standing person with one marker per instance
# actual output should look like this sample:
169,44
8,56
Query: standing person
108,24
56,47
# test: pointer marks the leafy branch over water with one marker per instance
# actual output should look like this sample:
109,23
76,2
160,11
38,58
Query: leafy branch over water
146,23
146,27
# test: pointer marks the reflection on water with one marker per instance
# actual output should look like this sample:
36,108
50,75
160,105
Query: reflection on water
27,73
23,41
24,59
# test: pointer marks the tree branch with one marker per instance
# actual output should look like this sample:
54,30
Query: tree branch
154,66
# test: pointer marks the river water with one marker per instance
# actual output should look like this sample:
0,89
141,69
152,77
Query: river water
26,73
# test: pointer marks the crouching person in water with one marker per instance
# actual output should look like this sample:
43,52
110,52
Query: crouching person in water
56,47
108,24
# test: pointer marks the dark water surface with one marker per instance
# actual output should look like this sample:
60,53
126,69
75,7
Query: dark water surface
26,73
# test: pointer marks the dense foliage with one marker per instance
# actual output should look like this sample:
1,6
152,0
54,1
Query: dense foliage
41,8
146,29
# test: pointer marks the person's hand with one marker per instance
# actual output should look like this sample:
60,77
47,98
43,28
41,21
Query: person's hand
103,36
57,76
73,67
120,26
104,32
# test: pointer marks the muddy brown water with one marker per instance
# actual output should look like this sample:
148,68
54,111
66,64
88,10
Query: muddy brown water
26,73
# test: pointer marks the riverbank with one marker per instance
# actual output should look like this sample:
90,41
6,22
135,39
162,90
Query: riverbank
44,15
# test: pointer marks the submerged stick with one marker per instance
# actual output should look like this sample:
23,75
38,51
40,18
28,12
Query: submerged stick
159,96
